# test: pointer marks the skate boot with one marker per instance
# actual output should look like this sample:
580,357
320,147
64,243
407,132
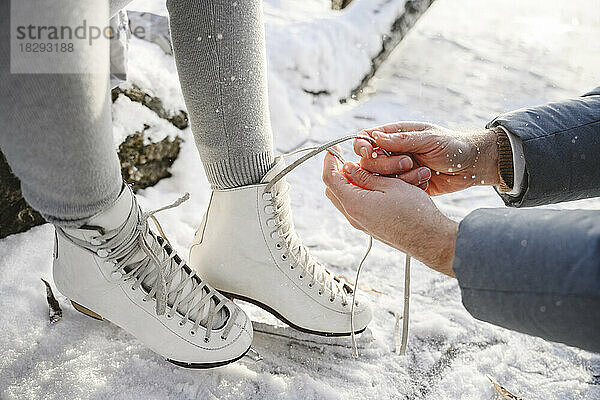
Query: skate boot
115,267
247,248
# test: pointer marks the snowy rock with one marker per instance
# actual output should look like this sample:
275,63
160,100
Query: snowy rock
134,93
15,214
143,162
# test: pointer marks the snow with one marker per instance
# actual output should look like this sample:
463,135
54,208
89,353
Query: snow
464,63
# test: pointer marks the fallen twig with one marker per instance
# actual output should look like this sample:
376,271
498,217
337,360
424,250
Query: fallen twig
54,310
502,391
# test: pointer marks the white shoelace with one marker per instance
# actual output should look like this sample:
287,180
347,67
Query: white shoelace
302,258
200,303
319,274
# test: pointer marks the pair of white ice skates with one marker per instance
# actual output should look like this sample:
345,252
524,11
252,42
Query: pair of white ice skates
116,268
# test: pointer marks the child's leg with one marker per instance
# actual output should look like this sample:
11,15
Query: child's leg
246,245
56,133
220,53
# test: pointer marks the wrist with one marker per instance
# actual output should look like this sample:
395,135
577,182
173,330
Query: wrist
435,247
487,166
447,241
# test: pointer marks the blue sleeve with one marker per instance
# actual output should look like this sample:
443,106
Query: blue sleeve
561,145
533,271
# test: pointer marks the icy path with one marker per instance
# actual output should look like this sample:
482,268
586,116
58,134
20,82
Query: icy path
466,62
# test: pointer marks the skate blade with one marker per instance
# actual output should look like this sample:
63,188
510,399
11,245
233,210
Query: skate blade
365,340
284,320
86,311
209,365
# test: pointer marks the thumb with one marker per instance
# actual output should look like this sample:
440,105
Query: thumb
405,142
365,179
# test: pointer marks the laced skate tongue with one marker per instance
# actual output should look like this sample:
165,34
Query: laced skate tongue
220,318
272,173
272,180
113,217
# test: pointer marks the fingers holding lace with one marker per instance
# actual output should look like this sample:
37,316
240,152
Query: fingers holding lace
337,183
417,177
392,165
366,180
363,148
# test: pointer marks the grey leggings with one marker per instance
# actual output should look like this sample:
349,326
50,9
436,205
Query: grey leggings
55,129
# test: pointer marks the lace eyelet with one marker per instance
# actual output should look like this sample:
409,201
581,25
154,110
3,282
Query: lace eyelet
102,253
292,266
192,333
301,276
181,323
267,196
310,285
284,257
144,300
116,275
206,340
278,246
133,288
344,304
320,293
331,300
223,338
168,316
270,210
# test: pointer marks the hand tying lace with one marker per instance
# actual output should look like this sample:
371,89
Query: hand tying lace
150,262
320,274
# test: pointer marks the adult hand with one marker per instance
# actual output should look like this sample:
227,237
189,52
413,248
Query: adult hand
392,211
458,160
406,171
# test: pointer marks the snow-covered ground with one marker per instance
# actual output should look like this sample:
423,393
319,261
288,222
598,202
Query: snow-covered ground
465,62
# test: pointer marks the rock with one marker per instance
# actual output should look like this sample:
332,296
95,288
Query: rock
152,28
143,165
134,93
15,214
339,4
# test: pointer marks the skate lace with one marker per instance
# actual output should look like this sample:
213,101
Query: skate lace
301,257
121,246
277,192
